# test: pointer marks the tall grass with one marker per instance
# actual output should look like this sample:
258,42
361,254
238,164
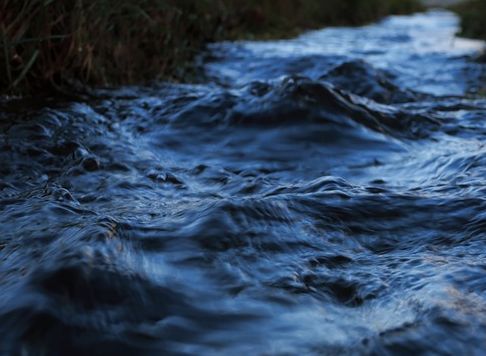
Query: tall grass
52,44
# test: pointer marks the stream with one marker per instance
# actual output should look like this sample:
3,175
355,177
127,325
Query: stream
323,195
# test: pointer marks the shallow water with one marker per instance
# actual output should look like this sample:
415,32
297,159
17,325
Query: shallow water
321,195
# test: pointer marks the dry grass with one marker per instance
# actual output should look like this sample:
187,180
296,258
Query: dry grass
51,44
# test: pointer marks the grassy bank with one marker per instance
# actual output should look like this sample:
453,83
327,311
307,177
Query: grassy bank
473,18
51,44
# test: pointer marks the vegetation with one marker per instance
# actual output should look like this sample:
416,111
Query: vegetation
473,16
48,44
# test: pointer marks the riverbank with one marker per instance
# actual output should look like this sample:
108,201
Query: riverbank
59,45
473,18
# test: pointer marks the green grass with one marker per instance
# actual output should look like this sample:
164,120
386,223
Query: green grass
50,45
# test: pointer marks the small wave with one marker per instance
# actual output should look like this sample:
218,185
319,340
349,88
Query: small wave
360,78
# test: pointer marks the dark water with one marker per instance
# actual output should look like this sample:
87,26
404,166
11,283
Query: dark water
323,195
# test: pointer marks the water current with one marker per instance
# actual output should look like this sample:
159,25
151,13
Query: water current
323,195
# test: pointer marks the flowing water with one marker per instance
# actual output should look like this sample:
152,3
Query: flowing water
320,195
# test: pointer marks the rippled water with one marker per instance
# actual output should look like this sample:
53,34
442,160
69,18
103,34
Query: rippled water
321,195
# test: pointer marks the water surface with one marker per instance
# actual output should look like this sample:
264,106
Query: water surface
320,195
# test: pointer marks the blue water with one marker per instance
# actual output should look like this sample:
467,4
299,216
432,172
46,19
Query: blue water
322,195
